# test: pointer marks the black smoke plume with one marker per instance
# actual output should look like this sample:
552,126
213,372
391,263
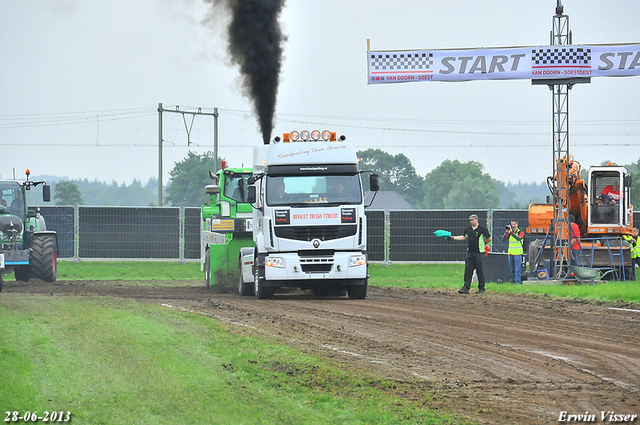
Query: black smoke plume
255,45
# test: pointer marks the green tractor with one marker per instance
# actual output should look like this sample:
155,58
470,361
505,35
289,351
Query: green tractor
227,226
27,248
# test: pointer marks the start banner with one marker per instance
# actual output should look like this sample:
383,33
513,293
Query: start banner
530,63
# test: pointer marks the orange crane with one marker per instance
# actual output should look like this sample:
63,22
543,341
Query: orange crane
602,220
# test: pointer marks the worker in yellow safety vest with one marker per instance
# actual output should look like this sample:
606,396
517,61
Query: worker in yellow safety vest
634,243
515,236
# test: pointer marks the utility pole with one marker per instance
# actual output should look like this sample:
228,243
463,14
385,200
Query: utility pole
160,154
215,140
188,129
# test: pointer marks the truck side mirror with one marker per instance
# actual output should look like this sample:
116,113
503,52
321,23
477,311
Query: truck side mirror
251,195
46,193
627,180
374,185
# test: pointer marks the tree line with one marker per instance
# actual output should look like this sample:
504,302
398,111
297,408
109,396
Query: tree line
451,185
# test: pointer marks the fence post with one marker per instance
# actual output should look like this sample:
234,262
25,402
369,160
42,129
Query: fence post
76,232
182,220
387,238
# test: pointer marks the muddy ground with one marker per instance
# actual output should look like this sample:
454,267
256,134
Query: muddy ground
493,358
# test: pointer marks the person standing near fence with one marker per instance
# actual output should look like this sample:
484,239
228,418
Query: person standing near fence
477,237
515,236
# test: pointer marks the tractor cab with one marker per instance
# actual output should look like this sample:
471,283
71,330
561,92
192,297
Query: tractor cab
610,209
235,184
12,199
228,193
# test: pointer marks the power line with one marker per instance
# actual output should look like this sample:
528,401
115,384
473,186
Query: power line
67,118
125,118
83,113
471,143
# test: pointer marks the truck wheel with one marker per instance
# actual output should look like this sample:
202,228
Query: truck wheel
259,289
23,274
0,282
207,269
358,292
244,289
44,261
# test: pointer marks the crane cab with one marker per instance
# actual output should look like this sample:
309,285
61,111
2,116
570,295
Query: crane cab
609,211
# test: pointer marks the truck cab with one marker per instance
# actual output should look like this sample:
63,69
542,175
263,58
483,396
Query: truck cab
609,210
309,224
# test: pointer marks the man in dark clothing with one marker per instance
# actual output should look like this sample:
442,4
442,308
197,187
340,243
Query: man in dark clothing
478,239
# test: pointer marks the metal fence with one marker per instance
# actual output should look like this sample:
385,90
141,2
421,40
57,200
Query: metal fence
125,232
173,233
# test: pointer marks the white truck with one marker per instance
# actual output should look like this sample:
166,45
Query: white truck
309,224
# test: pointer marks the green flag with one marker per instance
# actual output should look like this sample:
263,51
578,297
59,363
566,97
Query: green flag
442,233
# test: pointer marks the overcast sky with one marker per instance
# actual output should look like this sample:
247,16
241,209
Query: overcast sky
80,83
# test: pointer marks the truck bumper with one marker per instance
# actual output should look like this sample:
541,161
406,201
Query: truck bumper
15,258
341,266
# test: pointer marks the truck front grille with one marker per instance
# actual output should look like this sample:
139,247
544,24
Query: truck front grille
308,233
316,264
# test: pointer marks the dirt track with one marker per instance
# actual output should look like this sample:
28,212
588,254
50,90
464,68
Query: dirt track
494,358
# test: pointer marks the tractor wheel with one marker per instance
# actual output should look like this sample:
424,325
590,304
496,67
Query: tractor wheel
207,269
44,259
23,273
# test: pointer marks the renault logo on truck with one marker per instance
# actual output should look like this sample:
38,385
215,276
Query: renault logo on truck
316,243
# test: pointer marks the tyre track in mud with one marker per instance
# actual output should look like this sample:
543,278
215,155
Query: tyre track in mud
493,358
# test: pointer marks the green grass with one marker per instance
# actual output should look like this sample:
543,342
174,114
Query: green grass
128,270
611,291
452,276
115,361
417,275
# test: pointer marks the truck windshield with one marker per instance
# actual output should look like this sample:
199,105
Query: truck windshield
235,186
313,190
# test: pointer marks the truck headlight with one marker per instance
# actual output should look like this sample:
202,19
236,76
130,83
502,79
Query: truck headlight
274,262
357,260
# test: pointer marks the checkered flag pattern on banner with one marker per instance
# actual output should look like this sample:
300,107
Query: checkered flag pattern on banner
401,61
561,56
